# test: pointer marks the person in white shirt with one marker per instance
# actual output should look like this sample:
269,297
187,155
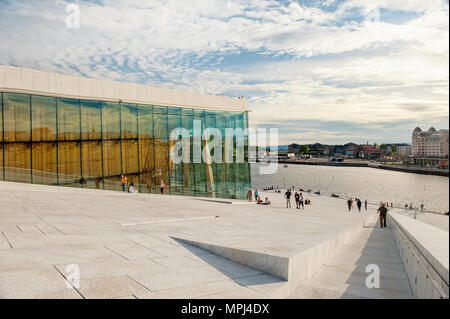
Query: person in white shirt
132,189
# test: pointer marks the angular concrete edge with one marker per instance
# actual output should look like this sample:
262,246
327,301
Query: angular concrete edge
424,250
293,269
276,266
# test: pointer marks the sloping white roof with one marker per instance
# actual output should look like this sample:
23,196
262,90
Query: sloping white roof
13,79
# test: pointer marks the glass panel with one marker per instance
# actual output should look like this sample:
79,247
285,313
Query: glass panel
200,179
68,119
161,158
176,182
110,120
160,109
189,112
43,114
200,113
16,113
148,182
187,122
146,155
231,179
44,163
174,121
69,165
17,162
145,121
189,180
91,159
160,127
174,110
130,157
111,158
91,120
129,120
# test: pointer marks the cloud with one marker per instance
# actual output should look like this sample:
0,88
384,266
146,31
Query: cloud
308,60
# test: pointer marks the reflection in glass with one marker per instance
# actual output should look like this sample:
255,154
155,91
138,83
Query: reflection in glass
161,157
43,115
44,163
111,158
160,129
148,183
16,117
91,120
145,121
91,143
146,155
17,162
110,120
69,164
68,119
91,159
130,160
129,120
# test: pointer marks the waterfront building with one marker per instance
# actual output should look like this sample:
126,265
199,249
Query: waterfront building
430,143
73,131
403,150
369,152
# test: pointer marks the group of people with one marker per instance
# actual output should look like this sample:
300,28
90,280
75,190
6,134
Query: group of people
411,207
300,202
258,199
359,203
133,190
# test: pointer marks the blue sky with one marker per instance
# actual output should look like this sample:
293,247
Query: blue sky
321,71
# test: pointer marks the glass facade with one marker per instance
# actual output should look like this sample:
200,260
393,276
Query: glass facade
90,144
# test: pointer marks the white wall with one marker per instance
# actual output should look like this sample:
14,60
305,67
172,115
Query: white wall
424,250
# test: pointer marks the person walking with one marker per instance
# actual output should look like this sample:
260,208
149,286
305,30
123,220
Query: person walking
124,182
256,195
359,204
382,211
422,207
297,200
287,195
302,203
249,194
349,204
162,187
365,204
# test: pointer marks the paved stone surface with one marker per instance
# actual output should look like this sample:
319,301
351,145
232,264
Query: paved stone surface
125,246
345,275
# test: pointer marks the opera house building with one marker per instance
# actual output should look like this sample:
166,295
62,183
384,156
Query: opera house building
79,132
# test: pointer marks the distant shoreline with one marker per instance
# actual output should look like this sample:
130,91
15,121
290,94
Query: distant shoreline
399,168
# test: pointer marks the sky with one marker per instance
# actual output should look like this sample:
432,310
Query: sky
323,71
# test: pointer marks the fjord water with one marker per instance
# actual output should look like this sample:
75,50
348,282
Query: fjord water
375,185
